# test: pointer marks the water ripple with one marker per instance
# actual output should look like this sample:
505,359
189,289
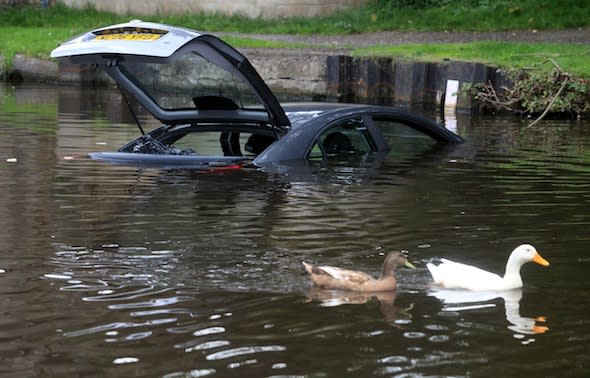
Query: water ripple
229,353
193,345
156,302
195,373
174,273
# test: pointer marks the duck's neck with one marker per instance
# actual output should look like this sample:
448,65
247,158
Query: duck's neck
512,273
387,271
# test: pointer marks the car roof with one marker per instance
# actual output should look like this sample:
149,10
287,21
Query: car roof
302,112
320,114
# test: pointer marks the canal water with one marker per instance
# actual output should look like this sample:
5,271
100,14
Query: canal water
117,271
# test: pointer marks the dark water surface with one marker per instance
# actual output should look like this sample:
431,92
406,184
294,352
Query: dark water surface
117,271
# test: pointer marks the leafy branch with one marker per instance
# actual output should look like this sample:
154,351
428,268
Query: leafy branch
535,93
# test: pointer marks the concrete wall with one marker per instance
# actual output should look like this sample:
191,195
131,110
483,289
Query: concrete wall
249,8
314,76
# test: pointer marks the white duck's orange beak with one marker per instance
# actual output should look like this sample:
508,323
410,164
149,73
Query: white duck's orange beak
540,329
540,260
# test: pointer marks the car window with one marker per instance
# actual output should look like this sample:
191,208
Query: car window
203,143
175,84
215,143
402,138
342,140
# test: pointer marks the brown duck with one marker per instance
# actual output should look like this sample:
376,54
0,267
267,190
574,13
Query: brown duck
332,278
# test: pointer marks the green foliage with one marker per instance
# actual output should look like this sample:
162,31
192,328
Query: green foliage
539,91
378,15
56,16
479,15
534,92
422,4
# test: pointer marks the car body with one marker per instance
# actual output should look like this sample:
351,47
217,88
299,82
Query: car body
200,88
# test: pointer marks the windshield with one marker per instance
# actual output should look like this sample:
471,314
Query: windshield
176,84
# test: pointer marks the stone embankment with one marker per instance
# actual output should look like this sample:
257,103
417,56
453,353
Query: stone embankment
328,71
312,75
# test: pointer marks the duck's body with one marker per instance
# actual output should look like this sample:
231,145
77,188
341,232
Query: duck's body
332,278
452,274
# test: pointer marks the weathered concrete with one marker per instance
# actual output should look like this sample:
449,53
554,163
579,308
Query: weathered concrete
33,69
384,80
290,72
318,76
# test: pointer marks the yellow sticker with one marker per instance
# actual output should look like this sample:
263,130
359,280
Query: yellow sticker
128,37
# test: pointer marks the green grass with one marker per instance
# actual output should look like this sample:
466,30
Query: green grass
484,15
34,41
39,41
460,15
35,32
572,58
253,43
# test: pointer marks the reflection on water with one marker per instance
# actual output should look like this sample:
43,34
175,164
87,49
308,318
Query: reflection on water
119,271
462,300
390,312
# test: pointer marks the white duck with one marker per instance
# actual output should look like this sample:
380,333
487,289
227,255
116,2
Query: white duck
452,274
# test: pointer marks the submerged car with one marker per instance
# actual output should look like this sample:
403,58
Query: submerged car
216,111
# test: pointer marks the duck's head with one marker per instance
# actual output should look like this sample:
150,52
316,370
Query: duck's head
526,252
394,260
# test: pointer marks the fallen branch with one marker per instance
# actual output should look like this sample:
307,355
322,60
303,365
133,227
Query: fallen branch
557,66
561,88
565,81
535,93
487,95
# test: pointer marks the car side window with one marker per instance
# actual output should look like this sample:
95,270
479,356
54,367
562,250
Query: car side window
402,138
343,139
214,143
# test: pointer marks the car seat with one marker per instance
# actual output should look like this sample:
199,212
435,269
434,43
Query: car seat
337,143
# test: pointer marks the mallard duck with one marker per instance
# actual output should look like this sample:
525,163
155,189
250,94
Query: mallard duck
452,274
331,278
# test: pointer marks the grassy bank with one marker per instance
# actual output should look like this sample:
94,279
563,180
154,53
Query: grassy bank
572,58
380,15
35,32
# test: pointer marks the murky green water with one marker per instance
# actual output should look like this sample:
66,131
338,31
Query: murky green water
115,271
